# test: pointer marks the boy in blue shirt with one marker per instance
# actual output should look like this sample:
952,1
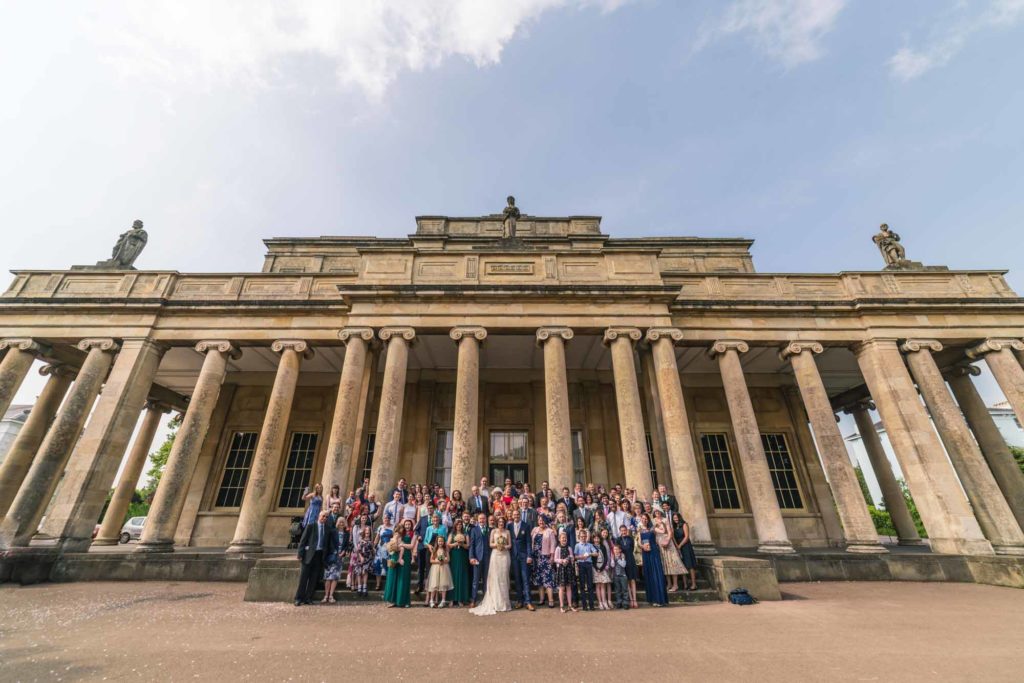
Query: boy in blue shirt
585,553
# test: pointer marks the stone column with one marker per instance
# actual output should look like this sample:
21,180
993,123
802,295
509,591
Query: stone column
998,355
389,415
764,504
113,520
97,456
467,407
952,527
341,445
993,446
164,513
19,458
259,493
15,365
990,508
682,460
859,530
632,434
22,519
556,395
895,503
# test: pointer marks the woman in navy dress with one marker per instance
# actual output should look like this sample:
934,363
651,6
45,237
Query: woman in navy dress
654,575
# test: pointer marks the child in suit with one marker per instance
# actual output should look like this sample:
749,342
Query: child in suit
620,584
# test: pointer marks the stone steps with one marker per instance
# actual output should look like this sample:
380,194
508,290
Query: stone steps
703,593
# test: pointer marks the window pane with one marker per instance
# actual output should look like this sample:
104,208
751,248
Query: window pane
720,475
780,464
371,440
443,458
298,470
578,469
236,470
650,460
508,446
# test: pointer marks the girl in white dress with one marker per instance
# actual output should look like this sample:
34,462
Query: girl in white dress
496,597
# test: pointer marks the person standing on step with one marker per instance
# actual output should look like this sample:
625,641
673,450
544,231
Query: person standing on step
654,576
522,546
627,544
620,584
479,556
362,560
681,540
585,553
317,542
439,582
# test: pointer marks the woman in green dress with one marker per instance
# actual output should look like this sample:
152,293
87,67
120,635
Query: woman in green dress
458,548
396,590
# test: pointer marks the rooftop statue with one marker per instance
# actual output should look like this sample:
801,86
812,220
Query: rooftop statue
511,214
129,246
889,244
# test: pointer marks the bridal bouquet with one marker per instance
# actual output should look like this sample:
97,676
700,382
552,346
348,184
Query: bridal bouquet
501,543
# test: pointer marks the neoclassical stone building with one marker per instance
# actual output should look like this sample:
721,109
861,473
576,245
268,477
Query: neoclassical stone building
539,349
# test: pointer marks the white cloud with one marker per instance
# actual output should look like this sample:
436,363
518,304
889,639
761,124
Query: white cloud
789,31
367,43
909,63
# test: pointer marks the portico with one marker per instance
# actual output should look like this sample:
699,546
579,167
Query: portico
556,353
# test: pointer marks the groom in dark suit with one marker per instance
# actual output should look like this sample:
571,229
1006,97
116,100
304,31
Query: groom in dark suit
521,530
316,544
479,555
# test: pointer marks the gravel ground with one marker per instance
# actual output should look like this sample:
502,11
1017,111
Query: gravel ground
826,631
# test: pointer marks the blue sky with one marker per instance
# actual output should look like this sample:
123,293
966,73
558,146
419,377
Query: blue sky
800,123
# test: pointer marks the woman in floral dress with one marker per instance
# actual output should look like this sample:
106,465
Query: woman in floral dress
542,550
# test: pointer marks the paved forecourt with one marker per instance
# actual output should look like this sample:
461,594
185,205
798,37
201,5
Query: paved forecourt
834,631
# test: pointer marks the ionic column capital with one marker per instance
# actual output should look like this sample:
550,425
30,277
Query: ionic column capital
723,345
299,346
673,334
795,348
26,344
57,370
992,345
915,345
631,333
861,347
859,405
407,333
221,345
108,345
348,333
471,331
545,333
157,406
963,370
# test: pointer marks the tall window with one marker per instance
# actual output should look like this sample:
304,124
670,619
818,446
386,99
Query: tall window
780,464
298,470
371,441
236,470
579,473
510,446
721,479
651,463
443,458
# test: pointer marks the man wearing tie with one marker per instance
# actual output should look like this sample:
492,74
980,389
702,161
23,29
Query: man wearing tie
521,531
477,503
317,542
479,555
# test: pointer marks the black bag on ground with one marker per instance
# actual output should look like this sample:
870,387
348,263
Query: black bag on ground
740,596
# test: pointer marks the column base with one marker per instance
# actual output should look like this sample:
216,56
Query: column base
866,547
105,541
912,542
705,549
776,547
155,547
1008,549
961,546
239,547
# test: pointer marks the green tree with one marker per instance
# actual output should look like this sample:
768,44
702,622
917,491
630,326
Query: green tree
912,507
863,485
158,460
1018,455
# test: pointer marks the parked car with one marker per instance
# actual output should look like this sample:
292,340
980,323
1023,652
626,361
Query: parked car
132,529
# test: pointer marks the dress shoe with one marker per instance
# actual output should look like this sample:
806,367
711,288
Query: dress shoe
472,605
298,603
530,607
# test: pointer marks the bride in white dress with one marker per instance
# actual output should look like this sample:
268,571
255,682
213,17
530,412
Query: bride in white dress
496,596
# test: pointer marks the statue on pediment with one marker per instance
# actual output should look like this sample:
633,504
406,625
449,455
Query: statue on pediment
511,215
129,245
888,243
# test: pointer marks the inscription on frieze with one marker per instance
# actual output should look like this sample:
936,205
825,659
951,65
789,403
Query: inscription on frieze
510,268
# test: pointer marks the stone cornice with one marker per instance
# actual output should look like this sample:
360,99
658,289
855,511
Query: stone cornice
297,345
545,333
472,331
723,345
915,345
794,348
993,345
222,345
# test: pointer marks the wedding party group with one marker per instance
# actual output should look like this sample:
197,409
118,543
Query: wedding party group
494,548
